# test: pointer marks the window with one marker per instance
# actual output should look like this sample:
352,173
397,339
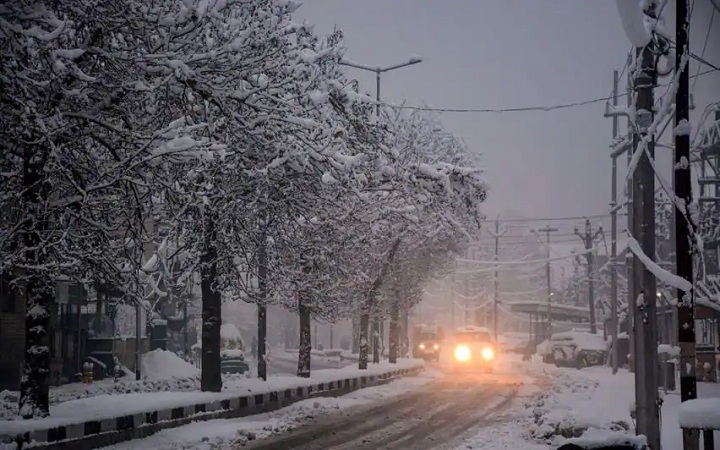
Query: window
7,295
706,332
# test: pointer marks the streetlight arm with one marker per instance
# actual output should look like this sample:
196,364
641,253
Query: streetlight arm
400,65
345,62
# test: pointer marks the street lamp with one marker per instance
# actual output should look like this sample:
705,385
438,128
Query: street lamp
378,70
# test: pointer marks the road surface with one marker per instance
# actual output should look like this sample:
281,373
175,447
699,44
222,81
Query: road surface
433,417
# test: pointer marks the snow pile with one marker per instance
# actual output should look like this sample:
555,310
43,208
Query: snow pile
583,400
232,433
77,391
162,365
701,413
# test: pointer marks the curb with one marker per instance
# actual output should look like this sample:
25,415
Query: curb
101,433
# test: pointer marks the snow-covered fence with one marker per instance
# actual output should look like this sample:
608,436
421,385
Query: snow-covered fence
91,434
702,414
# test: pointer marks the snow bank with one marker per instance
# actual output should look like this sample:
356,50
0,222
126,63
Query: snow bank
591,399
226,433
96,407
702,413
161,365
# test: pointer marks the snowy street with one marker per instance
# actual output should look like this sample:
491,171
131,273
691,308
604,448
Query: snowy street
433,417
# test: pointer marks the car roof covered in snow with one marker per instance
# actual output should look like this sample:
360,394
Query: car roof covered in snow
472,329
584,340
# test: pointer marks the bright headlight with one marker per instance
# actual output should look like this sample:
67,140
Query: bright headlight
436,346
421,346
462,353
488,353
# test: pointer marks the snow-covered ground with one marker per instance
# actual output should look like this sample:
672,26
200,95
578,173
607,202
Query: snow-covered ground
163,371
223,433
581,404
96,407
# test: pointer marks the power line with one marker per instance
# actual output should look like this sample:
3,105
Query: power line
538,108
707,39
546,219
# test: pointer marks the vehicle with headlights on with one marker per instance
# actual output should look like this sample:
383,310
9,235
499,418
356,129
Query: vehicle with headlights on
427,341
473,348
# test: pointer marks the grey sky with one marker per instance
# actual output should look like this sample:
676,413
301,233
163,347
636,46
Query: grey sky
509,53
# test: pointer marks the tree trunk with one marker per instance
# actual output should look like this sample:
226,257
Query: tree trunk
370,306
305,347
262,308
355,334
39,295
394,330
376,339
261,342
210,379
35,384
405,327
364,341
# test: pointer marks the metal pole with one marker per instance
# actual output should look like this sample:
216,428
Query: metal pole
613,233
646,366
685,247
377,92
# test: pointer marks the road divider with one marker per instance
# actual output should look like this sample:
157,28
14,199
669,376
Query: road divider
100,432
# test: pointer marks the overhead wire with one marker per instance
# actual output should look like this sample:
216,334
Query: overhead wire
704,47
534,108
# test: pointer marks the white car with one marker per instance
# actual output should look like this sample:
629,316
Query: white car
473,348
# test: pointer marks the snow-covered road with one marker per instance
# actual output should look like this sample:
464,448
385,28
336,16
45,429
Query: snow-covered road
434,417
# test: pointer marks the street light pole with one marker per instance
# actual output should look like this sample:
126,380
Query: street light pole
379,70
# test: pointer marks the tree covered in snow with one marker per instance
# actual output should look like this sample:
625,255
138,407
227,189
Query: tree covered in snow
77,158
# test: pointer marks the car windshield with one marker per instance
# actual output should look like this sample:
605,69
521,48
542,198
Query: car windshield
478,336
428,337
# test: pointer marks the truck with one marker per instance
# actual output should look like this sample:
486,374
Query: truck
426,341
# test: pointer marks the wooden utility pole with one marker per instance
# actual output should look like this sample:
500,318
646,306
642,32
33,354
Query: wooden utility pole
496,280
548,278
644,299
588,238
685,243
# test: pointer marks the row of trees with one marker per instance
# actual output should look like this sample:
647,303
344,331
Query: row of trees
144,143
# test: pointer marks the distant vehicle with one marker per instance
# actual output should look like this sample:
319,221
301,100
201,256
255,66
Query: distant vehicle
474,348
577,349
427,341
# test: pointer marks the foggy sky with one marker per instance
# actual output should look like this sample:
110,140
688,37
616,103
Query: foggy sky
510,53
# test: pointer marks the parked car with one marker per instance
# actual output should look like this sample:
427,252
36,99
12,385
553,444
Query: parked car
578,349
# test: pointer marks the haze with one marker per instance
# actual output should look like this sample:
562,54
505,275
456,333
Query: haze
504,54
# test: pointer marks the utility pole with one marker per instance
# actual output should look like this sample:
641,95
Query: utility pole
588,238
547,230
644,300
618,149
496,280
685,243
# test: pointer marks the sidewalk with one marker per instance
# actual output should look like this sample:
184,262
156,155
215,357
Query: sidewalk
132,415
585,406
